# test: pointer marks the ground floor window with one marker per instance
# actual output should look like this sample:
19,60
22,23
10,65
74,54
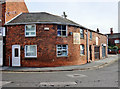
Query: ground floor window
82,49
62,50
30,50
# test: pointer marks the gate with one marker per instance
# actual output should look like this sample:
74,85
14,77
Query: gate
97,52
103,51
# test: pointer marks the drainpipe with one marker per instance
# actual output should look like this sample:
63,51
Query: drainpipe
87,45
9,60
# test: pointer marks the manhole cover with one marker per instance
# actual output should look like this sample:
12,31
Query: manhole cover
57,83
76,75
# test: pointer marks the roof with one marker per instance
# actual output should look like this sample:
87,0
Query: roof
43,18
114,35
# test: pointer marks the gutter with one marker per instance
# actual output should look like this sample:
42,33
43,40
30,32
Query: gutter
43,23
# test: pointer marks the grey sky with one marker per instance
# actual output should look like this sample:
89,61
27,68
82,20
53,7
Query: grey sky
93,15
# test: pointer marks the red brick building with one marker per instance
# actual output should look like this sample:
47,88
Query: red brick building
43,39
113,38
8,10
14,8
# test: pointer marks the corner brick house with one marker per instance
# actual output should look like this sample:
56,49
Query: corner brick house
46,40
9,9
113,39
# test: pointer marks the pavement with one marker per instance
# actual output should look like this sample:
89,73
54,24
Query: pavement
89,66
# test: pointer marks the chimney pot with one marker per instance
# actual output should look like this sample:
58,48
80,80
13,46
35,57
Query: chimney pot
98,30
111,30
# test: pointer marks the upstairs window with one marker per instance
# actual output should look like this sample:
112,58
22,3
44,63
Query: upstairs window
96,40
30,30
117,41
82,33
62,50
90,35
82,50
62,30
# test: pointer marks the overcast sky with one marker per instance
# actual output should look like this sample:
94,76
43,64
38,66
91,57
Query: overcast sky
93,14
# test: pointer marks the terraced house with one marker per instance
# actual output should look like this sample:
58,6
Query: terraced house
8,10
42,40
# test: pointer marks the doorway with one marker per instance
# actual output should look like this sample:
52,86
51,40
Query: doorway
16,55
90,49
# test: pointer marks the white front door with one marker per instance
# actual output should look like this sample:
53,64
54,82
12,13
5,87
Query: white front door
16,55
1,53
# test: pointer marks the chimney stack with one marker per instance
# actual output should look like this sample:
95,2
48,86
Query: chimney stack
98,30
111,31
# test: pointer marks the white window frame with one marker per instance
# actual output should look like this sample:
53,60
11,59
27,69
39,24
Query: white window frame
117,41
30,56
61,31
97,40
83,49
30,31
82,33
61,50
90,35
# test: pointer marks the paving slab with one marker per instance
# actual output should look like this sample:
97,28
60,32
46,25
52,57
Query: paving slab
88,66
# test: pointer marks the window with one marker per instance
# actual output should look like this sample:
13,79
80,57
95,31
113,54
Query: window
30,30
61,30
31,51
62,50
16,52
117,41
0,31
90,35
96,40
81,33
82,49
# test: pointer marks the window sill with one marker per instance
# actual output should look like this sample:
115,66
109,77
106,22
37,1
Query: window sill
90,39
62,36
30,36
62,56
82,54
30,57
81,38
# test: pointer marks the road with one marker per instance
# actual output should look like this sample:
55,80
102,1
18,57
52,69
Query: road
104,77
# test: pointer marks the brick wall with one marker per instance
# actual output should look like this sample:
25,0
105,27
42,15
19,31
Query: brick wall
14,8
2,14
111,41
46,42
10,9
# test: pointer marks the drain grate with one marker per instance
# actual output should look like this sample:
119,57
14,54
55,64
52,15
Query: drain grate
57,83
76,75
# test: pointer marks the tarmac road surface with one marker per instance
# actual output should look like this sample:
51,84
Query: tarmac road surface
104,77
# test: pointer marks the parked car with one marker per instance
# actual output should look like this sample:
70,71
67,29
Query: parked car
112,51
